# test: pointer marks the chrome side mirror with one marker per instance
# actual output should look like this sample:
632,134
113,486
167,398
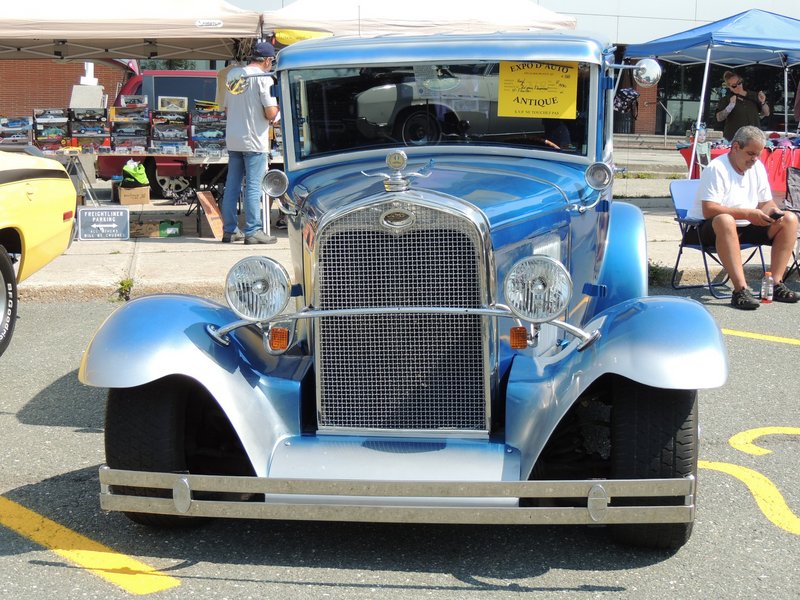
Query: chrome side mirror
647,72
237,81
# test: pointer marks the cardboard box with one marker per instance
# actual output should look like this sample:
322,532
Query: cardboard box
137,195
157,229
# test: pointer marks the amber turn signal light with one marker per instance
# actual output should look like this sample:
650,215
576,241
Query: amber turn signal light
518,337
279,338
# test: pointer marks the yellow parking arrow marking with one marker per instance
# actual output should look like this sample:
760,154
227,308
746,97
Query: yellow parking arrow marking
130,574
761,336
766,495
744,441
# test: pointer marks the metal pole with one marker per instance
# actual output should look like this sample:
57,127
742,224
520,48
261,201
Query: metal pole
699,113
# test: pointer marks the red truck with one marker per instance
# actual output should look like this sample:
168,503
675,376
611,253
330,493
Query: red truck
166,174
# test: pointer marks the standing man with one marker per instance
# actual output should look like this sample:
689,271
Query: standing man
249,116
740,107
735,202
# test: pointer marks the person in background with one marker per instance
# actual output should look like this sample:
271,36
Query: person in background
734,201
740,107
249,116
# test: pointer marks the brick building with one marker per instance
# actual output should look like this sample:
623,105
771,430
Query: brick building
46,83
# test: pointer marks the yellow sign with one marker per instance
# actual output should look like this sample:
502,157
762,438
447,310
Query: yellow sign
545,90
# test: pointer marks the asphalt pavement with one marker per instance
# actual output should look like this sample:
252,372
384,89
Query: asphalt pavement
196,263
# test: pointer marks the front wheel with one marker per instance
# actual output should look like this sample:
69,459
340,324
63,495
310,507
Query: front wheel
653,435
145,431
8,304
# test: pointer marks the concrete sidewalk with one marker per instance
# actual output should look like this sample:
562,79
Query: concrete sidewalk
197,264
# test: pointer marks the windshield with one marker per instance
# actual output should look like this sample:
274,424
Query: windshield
536,105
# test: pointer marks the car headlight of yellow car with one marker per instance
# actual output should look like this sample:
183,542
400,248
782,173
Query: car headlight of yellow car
257,288
538,289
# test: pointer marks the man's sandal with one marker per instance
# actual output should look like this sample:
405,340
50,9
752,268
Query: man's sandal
781,293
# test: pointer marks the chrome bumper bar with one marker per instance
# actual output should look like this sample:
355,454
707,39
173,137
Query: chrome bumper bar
310,500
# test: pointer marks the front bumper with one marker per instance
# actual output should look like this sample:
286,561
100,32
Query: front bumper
466,502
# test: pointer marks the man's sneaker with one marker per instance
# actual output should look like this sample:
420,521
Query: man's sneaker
236,236
744,300
281,223
781,293
259,237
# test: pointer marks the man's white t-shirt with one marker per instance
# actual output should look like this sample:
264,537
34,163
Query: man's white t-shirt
722,184
247,129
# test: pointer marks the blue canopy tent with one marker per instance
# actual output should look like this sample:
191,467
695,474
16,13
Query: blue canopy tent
748,38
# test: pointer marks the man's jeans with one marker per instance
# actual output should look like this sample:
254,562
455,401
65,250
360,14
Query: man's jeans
251,167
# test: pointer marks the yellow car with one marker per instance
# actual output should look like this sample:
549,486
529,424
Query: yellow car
37,213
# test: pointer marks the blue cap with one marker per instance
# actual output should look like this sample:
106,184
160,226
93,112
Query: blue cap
263,50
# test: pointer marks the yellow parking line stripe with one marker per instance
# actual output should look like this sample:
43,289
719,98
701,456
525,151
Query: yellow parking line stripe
744,441
766,495
761,336
130,574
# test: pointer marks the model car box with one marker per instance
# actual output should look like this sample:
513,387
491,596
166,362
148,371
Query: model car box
88,114
90,144
120,142
50,115
170,116
15,123
168,132
206,133
89,128
121,114
208,116
133,100
15,137
128,129
51,131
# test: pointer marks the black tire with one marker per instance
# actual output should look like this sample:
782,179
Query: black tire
420,128
653,435
8,304
145,431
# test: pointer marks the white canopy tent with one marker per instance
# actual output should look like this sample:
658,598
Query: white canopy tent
365,18
99,29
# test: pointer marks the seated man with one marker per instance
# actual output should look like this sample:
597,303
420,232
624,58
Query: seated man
734,188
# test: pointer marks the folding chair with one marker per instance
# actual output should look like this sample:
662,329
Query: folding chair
792,203
683,192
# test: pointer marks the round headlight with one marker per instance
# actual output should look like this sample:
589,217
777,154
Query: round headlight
257,288
599,176
538,289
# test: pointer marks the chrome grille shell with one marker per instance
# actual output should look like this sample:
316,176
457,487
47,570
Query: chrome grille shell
401,373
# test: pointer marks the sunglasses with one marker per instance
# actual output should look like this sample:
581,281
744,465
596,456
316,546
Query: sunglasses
735,85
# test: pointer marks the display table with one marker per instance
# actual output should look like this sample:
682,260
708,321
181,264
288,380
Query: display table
775,161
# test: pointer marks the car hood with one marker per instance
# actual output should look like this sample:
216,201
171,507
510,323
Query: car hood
19,165
502,189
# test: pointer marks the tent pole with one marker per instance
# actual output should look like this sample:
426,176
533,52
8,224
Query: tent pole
785,96
699,112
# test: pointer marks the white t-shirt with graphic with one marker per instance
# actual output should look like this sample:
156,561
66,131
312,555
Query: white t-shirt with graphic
247,129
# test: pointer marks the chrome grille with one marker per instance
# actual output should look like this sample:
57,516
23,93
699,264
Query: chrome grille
411,372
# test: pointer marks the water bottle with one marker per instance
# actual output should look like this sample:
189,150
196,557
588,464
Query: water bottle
767,285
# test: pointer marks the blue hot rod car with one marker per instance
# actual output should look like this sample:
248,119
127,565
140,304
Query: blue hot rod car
466,334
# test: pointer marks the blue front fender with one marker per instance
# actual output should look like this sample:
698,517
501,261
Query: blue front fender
157,336
659,341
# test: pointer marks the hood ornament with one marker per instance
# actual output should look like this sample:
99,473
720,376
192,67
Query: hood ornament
397,181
